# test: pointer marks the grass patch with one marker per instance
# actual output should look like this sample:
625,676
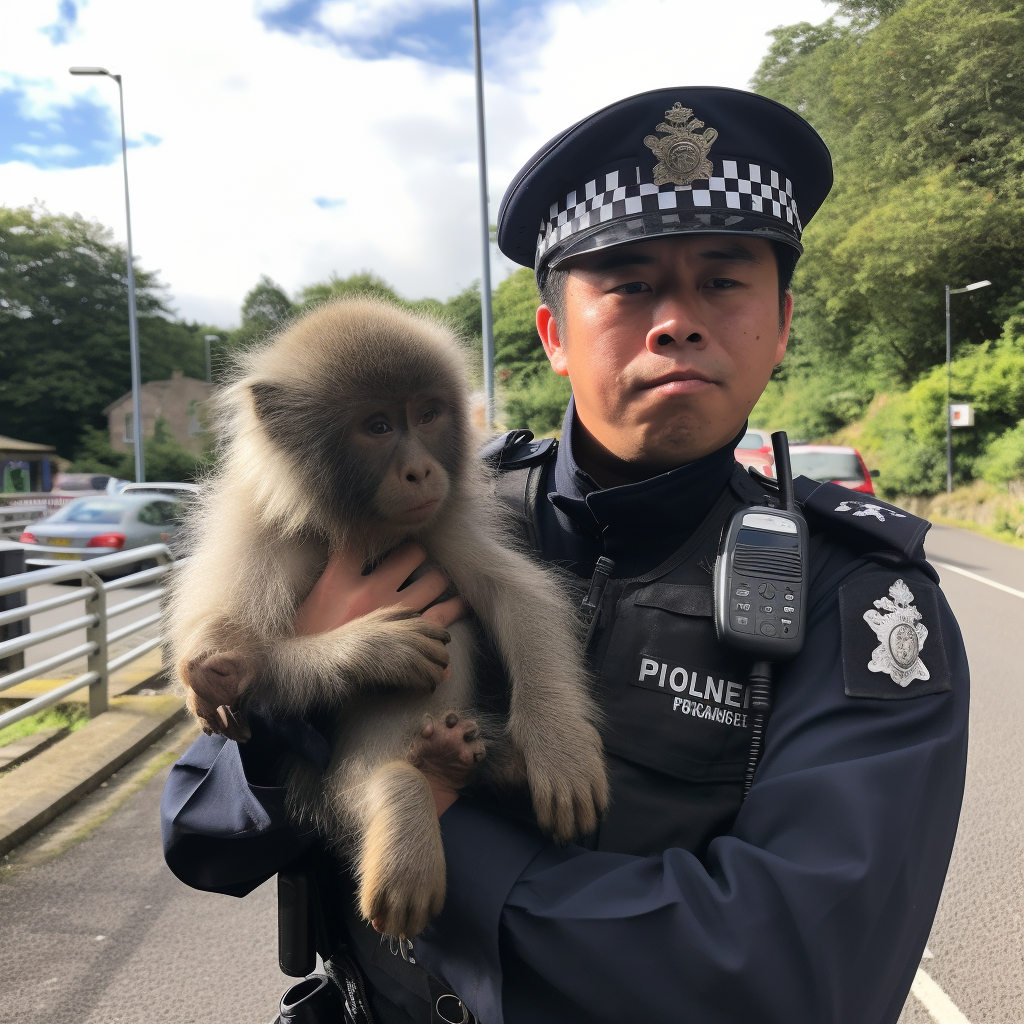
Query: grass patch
57,717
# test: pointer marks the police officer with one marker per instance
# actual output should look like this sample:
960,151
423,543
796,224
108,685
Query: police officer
664,231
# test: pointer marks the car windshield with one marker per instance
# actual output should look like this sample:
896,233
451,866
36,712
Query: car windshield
751,440
826,465
90,510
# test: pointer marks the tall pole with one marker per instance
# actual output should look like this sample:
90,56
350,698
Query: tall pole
949,418
133,322
207,338
485,225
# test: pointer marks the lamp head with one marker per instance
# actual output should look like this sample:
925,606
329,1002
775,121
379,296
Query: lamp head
976,285
88,71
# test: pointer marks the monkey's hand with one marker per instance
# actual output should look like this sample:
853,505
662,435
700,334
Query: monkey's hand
390,648
564,765
215,685
448,752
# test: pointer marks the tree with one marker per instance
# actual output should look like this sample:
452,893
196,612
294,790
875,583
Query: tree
64,326
265,309
517,347
921,104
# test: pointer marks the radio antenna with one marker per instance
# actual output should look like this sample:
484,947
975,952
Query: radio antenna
783,470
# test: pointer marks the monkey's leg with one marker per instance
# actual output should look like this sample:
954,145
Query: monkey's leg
401,868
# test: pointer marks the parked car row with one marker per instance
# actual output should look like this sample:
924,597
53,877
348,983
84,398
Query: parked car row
837,464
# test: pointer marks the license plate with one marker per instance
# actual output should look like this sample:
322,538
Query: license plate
64,556
64,542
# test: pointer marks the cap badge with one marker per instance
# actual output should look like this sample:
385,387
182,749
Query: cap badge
683,154
901,636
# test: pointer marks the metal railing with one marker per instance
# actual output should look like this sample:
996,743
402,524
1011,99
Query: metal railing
95,620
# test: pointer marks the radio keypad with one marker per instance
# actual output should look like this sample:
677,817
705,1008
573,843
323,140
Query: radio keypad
769,617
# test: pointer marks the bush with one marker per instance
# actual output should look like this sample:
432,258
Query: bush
537,401
1003,459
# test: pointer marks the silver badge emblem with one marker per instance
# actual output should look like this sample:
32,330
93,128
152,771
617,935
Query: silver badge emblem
901,635
867,508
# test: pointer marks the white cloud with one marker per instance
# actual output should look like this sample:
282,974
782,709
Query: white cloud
257,125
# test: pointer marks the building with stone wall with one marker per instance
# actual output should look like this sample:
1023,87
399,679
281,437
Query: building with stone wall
180,401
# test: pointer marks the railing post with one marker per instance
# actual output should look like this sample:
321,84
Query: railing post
12,563
97,634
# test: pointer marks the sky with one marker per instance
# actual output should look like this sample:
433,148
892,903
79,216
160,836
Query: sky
301,138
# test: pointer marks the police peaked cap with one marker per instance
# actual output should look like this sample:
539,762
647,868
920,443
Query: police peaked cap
668,162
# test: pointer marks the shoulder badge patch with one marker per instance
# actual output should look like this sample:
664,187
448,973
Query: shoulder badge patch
867,508
885,628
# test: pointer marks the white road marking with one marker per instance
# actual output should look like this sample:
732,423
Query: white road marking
940,1007
980,579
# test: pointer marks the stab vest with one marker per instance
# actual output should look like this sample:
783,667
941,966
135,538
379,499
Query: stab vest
675,702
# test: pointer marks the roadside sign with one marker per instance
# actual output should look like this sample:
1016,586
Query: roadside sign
961,415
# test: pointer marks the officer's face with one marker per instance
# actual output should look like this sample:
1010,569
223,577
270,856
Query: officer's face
668,344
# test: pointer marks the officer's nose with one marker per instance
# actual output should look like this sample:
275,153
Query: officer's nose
677,324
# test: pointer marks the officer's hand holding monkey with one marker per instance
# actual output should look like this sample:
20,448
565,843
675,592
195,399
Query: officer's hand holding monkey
350,433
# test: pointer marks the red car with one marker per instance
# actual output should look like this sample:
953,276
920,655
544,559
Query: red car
832,464
755,449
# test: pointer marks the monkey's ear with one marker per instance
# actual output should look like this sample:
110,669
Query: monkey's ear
271,400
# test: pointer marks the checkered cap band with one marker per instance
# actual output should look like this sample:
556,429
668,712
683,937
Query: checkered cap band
735,185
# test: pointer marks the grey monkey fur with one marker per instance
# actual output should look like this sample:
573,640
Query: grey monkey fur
287,493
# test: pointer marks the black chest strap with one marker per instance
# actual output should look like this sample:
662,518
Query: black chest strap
520,464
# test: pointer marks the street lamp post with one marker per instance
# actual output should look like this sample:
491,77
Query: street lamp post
133,322
207,338
949,353
485,225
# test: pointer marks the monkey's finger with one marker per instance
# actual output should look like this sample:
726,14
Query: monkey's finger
428,727
447,612
451,720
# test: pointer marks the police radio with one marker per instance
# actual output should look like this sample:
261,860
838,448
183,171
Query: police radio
761,590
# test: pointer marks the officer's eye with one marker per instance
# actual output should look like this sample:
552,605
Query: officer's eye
634,288
379,427
722,282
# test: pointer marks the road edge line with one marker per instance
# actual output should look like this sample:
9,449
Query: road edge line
940,1007
980,579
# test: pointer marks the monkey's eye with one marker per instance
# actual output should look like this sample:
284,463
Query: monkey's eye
379,427
429,416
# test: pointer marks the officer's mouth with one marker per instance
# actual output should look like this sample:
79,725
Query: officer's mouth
680,382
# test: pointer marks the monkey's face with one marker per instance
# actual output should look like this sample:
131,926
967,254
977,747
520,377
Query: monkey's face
404,446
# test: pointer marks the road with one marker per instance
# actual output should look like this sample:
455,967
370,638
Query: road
170,954
75,609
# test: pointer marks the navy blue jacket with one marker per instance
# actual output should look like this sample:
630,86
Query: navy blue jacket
814,906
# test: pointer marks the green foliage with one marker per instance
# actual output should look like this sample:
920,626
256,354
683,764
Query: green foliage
516,345
904,434
166,459
1003,459
265,309
538,402
922,105
64,326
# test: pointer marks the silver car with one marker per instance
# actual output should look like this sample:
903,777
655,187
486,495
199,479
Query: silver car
100,525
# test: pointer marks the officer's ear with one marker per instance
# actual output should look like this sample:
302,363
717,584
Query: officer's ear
785,319
554,349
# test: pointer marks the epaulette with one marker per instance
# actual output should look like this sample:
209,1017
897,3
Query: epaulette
861,521
516,449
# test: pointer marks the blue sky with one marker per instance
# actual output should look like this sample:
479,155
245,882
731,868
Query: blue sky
301,138
437,31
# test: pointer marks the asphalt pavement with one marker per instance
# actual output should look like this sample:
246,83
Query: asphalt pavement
103,933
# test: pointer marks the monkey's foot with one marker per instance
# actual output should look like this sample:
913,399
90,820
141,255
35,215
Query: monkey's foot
568,783
449,749
215,685
401,870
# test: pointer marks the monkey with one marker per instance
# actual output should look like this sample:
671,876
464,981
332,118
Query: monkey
350,430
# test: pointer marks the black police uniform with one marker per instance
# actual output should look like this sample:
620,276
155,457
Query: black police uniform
810,901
